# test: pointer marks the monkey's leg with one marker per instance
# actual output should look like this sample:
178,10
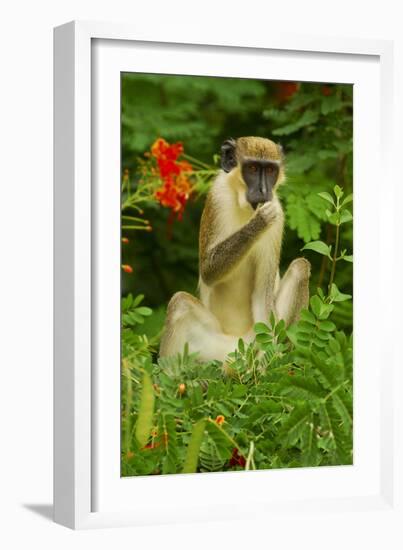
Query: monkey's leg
293,293
189,321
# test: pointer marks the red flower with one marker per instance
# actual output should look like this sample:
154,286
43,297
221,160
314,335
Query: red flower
285,90
168,167
127,268
125,240
176,187
237,459
326,91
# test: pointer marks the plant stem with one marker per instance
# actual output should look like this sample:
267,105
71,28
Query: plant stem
334,260
335,390
197,161
136,227
233,442
133,218
325,259
250,455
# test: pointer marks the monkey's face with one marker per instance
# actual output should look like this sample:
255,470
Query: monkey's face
258,161
260,177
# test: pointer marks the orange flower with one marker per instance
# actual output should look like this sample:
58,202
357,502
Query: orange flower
174,196
176,187
127,268
125,240
181,388
185,166
220,419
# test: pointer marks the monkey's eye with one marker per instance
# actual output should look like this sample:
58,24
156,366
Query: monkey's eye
270,169
252,168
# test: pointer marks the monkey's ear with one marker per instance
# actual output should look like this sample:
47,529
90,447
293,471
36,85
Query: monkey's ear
228,155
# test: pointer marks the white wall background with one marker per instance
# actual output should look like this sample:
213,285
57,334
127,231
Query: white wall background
26,269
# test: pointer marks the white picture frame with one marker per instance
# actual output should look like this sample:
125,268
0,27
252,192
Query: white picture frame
88,490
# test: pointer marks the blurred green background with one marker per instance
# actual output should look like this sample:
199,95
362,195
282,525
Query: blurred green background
313,122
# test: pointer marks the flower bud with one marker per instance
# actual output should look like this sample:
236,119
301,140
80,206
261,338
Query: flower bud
220,419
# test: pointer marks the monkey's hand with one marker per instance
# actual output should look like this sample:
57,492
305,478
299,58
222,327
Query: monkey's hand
268,212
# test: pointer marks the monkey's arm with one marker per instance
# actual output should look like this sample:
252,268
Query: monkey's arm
222,258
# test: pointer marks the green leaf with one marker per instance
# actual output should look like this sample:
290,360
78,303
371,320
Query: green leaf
333,217
345,216
338,191
309,455
327,197
347,200
301,218
337,296
127,302
145,311
330,104
342,404
308,117
309,386
308,317
135,317
316,305
318,246
241,345
327,326
325,311
347,258
261,328
263,338
138,299
291,430
343,443
192,453
146,411
292,333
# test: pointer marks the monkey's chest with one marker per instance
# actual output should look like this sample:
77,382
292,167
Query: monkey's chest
243,297
231,301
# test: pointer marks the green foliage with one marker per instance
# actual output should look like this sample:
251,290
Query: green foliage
284,399
132,314
316,128
191,109
314,125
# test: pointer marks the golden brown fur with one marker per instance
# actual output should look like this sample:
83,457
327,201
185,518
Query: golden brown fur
257,147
